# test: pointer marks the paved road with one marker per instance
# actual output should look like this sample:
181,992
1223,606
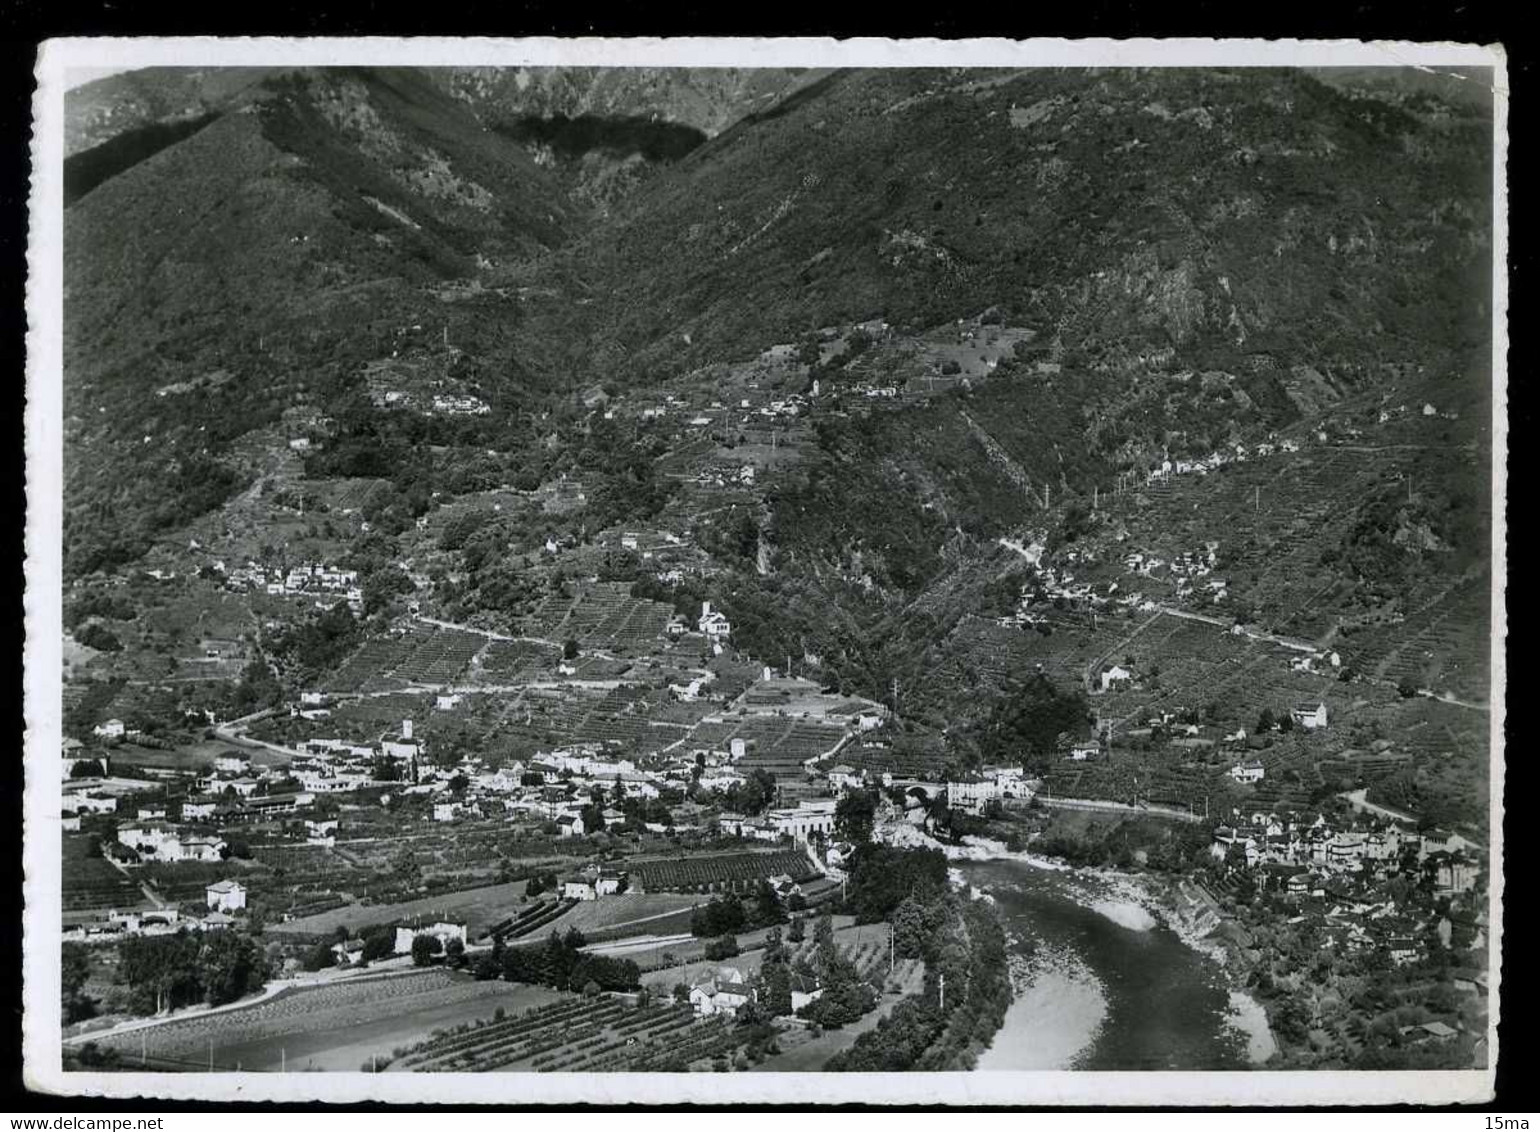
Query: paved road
276,986
1287,642
1358,799
1447,698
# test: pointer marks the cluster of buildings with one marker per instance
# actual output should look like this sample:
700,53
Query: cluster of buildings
593,883
973,792
801,823
1379,849
305,580
1235,454
460,405
1336,879
171,843
729,991
1187,570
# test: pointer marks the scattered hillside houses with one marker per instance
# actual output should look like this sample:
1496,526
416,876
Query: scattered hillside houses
165,842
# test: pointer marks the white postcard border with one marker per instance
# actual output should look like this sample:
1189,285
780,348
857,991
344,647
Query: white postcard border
42,680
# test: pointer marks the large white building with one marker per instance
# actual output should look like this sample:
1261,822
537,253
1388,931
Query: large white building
805,820
1310,716
713,624
225,896
726,994
443,930
971,795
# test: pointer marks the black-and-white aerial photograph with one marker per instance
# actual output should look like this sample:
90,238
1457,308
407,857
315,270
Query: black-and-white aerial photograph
675,570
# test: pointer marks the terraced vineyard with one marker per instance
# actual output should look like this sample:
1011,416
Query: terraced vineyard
578,1035
423,654
705,874
1442,643
510,661
91,882
328,1011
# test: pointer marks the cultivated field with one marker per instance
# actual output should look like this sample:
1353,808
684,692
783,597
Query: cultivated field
612,914
718,873
480,907
333,1027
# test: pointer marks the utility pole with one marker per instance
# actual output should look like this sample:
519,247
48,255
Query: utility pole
283,1059
211,1055
942,1005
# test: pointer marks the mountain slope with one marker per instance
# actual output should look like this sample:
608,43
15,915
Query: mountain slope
285,241
96,112
1194,258
1119,211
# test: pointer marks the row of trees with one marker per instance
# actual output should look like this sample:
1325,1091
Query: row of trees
963,942
728,913
165,972
561,963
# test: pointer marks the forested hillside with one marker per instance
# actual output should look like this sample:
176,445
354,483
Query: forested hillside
1179,261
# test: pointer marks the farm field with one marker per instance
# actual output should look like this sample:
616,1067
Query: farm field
481,907
577,1034
335,1027
193,756
606,1034
625,909
91,882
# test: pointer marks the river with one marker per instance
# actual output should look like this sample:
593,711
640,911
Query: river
1102,985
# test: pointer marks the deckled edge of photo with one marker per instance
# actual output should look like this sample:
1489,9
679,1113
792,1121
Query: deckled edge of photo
42,680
